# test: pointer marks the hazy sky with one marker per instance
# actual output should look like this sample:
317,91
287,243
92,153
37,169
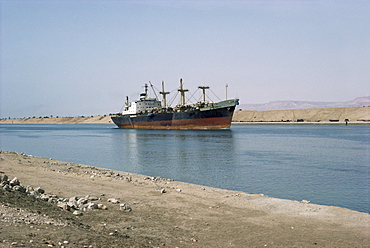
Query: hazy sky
70,58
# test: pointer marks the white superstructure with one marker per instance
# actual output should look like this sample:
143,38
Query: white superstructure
141,105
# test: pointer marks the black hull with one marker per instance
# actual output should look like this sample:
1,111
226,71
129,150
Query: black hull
191,119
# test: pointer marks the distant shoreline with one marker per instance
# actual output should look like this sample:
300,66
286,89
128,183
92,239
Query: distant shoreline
350,115
357,123
60,120
316,116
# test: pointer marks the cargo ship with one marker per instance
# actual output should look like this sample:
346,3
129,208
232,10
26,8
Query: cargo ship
151,113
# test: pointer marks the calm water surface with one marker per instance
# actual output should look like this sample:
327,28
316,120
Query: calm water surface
324,164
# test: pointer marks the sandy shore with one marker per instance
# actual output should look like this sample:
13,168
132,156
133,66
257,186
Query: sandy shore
353,115
165,213
60,120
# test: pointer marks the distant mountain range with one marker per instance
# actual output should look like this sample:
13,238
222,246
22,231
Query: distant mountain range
279,105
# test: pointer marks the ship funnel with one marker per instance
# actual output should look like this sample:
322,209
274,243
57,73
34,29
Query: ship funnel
144,95
146,89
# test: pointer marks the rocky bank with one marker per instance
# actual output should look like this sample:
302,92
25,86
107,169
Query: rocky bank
50,203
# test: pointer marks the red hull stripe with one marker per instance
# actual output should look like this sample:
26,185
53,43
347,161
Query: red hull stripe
206,123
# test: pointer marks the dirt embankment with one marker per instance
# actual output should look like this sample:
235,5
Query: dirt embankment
165,213
325,115
60,120
359,115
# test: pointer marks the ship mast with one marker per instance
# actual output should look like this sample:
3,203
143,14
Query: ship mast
163,93
203,88
182,91
227,86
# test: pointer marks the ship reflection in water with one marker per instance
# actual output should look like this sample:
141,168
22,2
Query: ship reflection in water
174,153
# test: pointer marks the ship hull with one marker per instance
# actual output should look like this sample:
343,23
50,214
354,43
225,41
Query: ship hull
218,118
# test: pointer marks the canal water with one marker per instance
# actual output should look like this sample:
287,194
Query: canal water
326,164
